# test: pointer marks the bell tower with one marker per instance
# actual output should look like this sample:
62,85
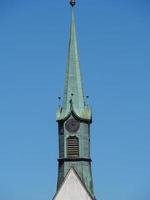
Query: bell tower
74,118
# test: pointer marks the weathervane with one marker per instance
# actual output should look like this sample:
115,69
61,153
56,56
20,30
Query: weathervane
72,2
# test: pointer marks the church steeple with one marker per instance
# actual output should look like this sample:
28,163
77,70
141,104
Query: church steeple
73,92
73,84
74,119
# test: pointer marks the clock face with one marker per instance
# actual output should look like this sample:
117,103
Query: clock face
72,125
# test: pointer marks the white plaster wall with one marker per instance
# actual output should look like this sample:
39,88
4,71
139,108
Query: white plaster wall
72,189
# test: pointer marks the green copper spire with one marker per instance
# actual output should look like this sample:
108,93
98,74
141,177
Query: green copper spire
73,92
73,84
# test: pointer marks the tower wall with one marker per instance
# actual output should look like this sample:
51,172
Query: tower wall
81,163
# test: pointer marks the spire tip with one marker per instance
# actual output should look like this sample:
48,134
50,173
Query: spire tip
72,2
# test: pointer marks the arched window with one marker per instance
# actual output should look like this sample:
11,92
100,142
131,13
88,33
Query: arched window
73,147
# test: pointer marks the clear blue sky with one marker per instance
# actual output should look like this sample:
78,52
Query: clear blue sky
114,43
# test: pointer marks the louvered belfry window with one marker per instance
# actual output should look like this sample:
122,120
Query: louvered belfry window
73,147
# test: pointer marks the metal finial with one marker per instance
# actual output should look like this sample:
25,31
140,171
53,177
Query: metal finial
72,2
59,100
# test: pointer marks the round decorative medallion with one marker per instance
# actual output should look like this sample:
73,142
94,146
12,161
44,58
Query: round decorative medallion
72,125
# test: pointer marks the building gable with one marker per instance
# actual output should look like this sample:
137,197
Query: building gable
72,188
